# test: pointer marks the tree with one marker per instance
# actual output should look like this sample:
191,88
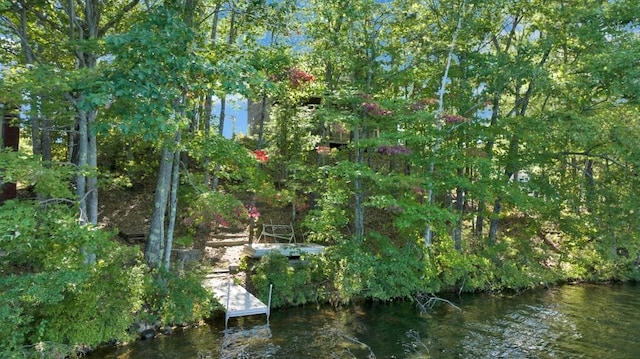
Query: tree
65,37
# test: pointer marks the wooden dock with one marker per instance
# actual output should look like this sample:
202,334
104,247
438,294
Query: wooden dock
237,301
257,250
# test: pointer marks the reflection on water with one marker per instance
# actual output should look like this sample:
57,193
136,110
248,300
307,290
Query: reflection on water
254,342
586,321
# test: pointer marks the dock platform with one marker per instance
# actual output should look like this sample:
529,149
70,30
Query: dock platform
257,250
237,301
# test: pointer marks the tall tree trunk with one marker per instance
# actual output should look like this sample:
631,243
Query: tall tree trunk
263,116
223,100
173,204
81,179
155,242
45,141
358,190
92,162
208,104
208,108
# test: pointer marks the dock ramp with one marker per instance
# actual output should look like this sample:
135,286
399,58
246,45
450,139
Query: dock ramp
237,301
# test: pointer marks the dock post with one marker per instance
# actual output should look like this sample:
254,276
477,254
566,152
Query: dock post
269,305
226,312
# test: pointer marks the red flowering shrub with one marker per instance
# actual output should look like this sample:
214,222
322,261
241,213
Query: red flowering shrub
261,155
449,118
323,150
253,212
373,109
299,77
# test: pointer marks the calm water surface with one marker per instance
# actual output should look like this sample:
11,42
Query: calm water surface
581,321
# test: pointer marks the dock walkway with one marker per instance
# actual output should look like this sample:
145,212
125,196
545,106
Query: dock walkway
237,301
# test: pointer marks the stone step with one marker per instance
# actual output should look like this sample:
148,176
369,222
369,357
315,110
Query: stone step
229,235
226,243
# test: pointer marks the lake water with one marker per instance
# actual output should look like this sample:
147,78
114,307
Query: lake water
571,321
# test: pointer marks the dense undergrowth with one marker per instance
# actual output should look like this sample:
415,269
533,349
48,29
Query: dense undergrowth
375,269
56,301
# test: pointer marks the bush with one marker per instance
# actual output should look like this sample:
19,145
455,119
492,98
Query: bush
52,301
174,297
353,269
293,284
374,268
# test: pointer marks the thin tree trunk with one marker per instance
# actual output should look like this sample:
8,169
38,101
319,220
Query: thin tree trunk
223,100
495,220
208,104
208,108
223,113
590,184
456,233
440,123
359,195
45,141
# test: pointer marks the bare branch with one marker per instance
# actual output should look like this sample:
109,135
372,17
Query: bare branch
117,18
425,302
594,155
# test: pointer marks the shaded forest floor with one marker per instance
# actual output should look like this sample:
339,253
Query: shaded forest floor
128,212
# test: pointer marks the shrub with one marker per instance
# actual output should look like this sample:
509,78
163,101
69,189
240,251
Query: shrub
293,284
353,269
174,297
53,301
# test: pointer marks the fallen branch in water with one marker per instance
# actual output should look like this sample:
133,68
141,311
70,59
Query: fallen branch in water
339,333
416,346
425,302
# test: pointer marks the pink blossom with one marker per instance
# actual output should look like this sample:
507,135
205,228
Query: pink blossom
253,212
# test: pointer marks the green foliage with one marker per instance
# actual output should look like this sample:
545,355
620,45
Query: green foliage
231,161
183,241
508,265
150,72
52,299
351,270
375,268
293,284
327,220
49,181
176,298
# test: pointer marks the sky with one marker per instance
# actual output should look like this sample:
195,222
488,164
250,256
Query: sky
235,119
